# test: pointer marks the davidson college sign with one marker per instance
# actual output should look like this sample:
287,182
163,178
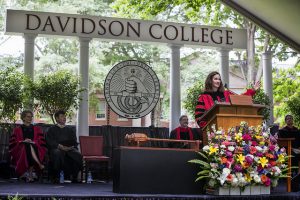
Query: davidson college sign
43,23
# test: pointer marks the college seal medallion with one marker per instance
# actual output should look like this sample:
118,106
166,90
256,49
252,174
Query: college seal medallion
131,89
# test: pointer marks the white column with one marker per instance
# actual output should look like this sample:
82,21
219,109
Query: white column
29,62
83,110
29,54
267,81
224,65
148,119
175,106
137,122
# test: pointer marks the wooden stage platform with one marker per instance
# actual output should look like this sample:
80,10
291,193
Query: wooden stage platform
104,191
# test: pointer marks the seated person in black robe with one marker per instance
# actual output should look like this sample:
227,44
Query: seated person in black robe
290,131
182,132
64,155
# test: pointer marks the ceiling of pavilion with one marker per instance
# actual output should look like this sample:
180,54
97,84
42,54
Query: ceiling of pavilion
279,17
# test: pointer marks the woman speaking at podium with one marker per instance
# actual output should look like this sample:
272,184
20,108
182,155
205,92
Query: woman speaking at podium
215,91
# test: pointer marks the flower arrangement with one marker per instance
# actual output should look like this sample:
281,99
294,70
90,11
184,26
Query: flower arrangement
240,157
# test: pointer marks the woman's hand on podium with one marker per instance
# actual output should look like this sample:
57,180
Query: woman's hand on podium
256,86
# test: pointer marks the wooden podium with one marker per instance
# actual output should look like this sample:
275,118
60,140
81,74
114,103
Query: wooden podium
226,115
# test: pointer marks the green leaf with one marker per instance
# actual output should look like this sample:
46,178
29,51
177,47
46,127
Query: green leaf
200,162
201,177
203,172
202,154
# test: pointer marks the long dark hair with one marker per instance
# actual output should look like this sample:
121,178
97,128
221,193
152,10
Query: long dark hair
209,80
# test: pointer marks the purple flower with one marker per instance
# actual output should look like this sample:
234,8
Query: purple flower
259,154
238,168
249,159
228,154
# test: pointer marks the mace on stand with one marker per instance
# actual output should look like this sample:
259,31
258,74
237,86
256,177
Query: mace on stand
137,139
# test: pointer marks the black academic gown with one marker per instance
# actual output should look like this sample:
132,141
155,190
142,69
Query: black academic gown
287,132
183,135
68,161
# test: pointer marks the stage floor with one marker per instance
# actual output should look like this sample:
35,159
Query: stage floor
104,191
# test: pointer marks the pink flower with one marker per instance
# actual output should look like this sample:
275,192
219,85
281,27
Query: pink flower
267,182
272,147
226,143
254,143
246,137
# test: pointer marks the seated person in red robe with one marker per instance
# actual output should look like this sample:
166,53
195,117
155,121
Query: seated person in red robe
183,132
290,131
27,148
215,91
63,152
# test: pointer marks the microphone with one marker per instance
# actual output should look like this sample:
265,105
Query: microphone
225,86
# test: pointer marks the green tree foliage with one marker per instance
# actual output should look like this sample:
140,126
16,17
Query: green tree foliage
192,97
286,88
56,91
293,105
262,98
12,93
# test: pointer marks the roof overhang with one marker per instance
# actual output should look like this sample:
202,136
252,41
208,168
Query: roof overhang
278,17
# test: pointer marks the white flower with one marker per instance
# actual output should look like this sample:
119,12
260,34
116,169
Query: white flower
231,148
256,178
226,171
258,148
219,132
235,182
222,179
265,134
239,175
265,149
206,148
242,181
223,146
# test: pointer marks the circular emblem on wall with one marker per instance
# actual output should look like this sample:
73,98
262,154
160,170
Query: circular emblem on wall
131,89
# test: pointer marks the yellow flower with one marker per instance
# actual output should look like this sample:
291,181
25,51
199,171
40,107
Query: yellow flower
212,150
263,161
241,158
281,158
248,178
238,138
259,137
262,143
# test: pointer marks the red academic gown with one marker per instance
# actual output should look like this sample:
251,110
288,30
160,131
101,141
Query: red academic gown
205,102
18,152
